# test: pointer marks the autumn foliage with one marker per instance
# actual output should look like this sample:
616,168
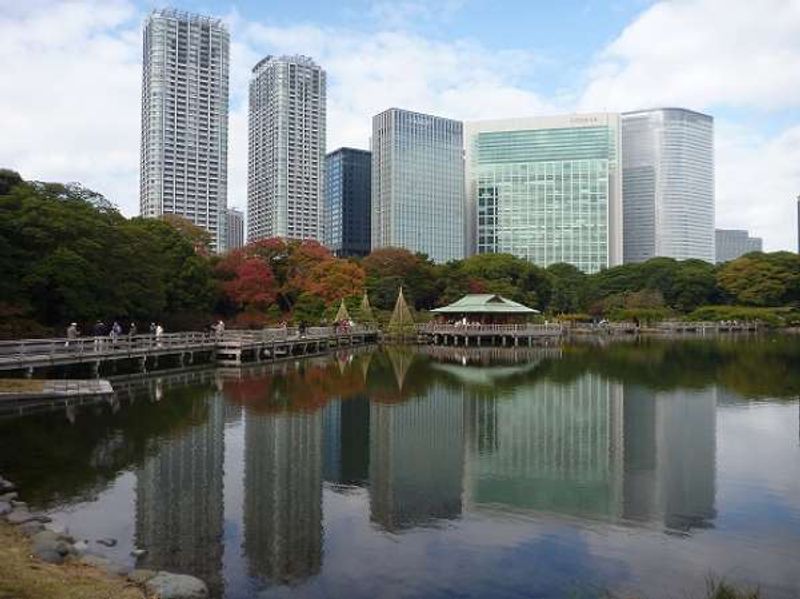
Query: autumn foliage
285,279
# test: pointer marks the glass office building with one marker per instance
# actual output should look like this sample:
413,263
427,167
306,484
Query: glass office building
546,189
347,202
184,152
668,184
418,184
286,149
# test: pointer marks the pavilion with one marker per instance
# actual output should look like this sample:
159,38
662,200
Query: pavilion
484,308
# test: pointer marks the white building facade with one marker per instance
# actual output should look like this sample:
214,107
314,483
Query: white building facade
184,151
286,149
732,243
668,184
418,184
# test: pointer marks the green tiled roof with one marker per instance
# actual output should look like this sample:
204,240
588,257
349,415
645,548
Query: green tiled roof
484,303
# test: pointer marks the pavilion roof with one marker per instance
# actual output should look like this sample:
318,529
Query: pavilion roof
485,303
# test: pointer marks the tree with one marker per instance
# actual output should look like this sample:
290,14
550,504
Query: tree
568,288
388,268
253,286
762,279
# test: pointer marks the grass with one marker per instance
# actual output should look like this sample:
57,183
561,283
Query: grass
24,577
21,386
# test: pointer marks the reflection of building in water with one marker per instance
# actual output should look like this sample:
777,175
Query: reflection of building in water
670,456
179,503
551,447
345,426
283,495
416,459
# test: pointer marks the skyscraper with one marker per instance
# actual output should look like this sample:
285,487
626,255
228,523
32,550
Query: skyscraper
546,189
235,229
732,243
347,202
418,184
184,154
286,149
668,184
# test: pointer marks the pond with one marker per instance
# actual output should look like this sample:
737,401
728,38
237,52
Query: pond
634,468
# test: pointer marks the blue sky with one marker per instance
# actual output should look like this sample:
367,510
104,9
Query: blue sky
73,110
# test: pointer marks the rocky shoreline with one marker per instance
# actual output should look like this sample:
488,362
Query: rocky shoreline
52,543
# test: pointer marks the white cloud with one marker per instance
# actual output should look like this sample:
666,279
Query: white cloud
714,56
70,105
702,53
758,179
369,72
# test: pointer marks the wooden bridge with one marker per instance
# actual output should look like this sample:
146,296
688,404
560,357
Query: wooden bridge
228,349
503,335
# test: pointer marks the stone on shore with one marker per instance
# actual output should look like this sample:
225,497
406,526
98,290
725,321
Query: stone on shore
6,485
57,527
105,564
176,586
9,496
30,528
50,547
80,547
5,508
141,575
16,503
21,515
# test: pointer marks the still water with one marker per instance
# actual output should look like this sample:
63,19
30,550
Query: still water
632,468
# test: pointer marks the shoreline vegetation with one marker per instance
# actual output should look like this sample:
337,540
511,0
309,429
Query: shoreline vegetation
68,255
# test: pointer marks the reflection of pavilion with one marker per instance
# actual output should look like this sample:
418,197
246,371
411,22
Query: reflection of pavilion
550,447
416,459
345,425
283,495
179,504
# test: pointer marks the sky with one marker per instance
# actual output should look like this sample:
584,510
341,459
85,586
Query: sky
70,90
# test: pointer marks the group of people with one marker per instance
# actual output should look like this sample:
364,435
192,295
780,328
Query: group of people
100,330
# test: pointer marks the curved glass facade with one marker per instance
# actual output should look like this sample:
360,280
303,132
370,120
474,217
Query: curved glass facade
668,184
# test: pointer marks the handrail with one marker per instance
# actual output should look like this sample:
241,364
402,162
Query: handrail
21,349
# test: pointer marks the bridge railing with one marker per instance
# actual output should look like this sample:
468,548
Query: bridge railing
458,328
25,349
22,350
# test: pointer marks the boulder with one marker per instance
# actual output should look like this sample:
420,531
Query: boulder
6,485
30,528
47,545
58,528
105,564
20,516
80,547
9,496
16,503
5,508
176,586
141,575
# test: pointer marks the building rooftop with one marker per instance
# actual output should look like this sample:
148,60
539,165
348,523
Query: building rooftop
484,303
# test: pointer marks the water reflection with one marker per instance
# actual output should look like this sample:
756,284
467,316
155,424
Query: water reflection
179,498
283,495
415,442
417,459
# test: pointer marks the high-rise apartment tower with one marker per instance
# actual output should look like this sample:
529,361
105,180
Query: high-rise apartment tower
418,184
235,228
184,153
668,184
286,152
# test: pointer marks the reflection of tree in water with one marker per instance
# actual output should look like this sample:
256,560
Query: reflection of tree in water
65,460
400,358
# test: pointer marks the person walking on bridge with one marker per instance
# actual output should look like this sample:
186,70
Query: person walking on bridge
98,331
72,333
